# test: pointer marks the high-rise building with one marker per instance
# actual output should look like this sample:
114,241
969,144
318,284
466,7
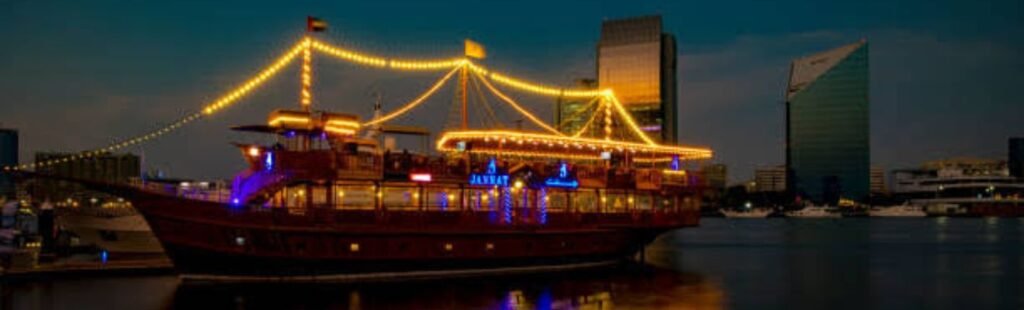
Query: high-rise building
638,61
827,149
110,168
8,158
1016,157
771,179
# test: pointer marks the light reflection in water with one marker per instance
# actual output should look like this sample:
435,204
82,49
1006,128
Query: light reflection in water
627,286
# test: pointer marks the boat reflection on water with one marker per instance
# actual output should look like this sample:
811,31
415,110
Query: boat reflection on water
626,286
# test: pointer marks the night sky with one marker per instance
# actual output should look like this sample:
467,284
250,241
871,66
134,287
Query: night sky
79,74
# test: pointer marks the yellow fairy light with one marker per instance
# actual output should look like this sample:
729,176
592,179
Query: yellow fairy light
277,121
368,60
541,89
306,95
684,152
340,131
425,64
521,110
254,82
415,102
629,119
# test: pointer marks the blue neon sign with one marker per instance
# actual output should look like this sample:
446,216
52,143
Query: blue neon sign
489,177
562,178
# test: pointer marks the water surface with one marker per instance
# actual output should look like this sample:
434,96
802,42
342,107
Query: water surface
925,263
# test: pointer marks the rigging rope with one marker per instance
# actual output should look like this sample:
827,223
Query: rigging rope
521,110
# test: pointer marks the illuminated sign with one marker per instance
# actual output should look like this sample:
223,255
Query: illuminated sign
489,177
420,177
562,178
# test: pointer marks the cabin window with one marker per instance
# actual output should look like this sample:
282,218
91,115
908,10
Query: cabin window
644,201
354,196
558,200
319,195
401,198
442,198
353,247
585,201
295,196
617,201
482,199
489,246
448,247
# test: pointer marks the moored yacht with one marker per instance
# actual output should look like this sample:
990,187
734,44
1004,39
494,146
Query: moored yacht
812,211
904,210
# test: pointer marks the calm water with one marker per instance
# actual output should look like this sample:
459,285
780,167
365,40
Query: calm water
932,263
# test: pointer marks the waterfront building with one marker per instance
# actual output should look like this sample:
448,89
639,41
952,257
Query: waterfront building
108,168
8,158
770,179
1016,157
961,186
827,149
637,60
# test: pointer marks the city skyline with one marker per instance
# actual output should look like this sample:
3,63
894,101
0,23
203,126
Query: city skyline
111,87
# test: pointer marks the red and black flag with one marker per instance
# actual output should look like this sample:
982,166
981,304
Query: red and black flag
314,24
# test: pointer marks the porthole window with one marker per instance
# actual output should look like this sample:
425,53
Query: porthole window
240,241
448,247
489,246
353,247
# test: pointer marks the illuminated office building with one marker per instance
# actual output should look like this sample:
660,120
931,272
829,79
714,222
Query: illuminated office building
638,61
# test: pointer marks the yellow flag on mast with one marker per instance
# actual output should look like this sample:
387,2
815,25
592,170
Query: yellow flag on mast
475,50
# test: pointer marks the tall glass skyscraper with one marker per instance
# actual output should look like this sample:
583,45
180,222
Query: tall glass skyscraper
827,149
638,61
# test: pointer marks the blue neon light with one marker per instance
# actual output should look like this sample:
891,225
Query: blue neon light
675,162
506,204
563,178
490,177
103,256
543,206
268,162
562,183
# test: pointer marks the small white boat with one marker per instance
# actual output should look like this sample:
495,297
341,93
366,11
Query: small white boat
904,210
814,212
747,213
116,230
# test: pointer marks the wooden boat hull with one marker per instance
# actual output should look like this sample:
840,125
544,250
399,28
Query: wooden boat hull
214,241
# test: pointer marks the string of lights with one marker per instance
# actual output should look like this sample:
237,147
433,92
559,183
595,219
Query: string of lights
306,94
629,119
593,117
307,45
221,102
518,108
585,109
506,136
415,102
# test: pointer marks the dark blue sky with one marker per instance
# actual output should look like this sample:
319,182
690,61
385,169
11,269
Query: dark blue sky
79,74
